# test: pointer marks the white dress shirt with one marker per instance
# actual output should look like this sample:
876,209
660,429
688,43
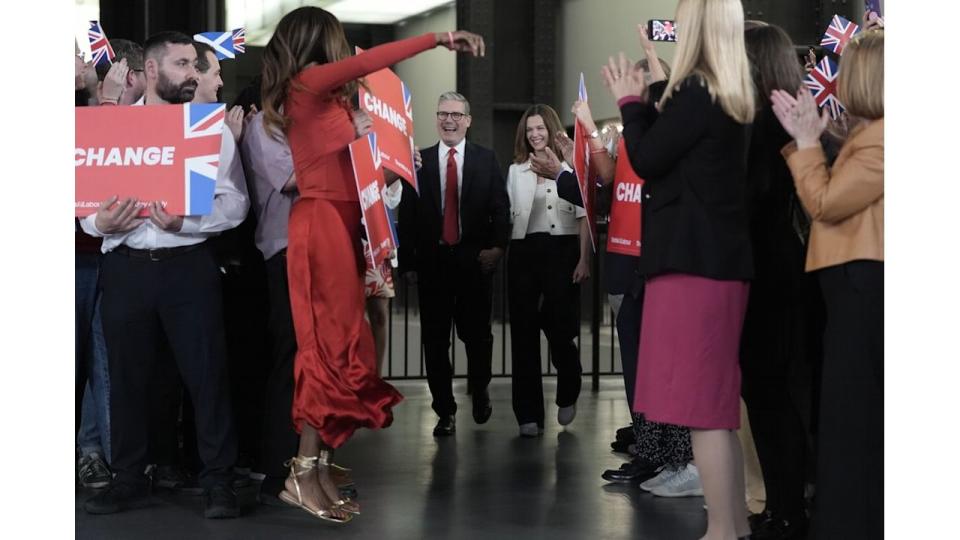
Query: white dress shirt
230,206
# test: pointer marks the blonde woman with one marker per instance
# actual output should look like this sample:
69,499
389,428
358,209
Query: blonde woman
697,256
846,250
549,256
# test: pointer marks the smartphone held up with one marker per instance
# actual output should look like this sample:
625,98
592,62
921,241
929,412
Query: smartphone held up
662,30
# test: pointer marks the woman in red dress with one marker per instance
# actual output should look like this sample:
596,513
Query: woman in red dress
308,77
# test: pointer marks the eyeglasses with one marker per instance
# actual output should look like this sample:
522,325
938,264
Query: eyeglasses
455,116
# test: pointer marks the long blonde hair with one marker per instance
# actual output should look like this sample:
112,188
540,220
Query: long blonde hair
860,80
305,35
710,45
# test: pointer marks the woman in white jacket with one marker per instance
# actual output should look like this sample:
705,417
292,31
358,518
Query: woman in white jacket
548,257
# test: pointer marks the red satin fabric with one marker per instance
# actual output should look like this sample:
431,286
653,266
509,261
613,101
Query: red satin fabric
337,388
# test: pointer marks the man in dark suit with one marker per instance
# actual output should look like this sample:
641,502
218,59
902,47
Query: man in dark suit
451,239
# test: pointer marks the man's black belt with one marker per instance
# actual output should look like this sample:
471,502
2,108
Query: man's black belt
156,254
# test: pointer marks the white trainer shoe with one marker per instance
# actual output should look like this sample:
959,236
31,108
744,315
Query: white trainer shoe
661,477
685,483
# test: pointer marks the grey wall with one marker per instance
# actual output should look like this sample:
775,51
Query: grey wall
428,74
589,31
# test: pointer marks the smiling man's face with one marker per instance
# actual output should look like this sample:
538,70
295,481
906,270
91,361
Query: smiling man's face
452,131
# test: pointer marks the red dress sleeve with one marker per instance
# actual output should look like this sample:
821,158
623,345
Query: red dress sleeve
326,77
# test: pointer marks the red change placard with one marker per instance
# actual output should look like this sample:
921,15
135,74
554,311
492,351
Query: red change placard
388,102
166,153
368,171
623,235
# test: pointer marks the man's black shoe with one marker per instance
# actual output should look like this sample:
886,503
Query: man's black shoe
119,496
220,502
756,521
638,470
626,434
777,528
481,407
171,477
624,447
447,425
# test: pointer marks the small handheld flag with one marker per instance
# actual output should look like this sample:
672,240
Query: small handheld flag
240,40
99,45
822,83
220,42
838,34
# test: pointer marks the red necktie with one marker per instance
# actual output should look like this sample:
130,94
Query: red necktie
451,203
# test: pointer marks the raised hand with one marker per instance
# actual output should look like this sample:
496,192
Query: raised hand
462,41
799,117
653,61
872,21
548,166
645,42
581,109
114,83
622,79
810,60
565,144
249,116
234,121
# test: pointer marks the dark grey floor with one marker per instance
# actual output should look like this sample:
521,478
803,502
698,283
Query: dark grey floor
484,483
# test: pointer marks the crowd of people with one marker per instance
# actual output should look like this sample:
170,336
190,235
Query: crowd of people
762,254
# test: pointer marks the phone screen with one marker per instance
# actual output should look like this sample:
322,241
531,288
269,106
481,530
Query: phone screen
662,30
873,6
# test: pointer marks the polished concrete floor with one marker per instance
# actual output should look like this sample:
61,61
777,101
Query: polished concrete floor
483,483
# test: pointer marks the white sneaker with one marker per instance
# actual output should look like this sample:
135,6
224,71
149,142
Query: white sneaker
565,415
685,483
661,477
530,429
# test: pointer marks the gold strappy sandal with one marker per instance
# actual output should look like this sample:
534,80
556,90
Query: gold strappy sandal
324,460
307,464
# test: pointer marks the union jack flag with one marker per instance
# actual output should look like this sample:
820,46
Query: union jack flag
239,40
838,34
99,46
221,42
822,83
200,172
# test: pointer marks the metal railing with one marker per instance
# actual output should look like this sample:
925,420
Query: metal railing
596,339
